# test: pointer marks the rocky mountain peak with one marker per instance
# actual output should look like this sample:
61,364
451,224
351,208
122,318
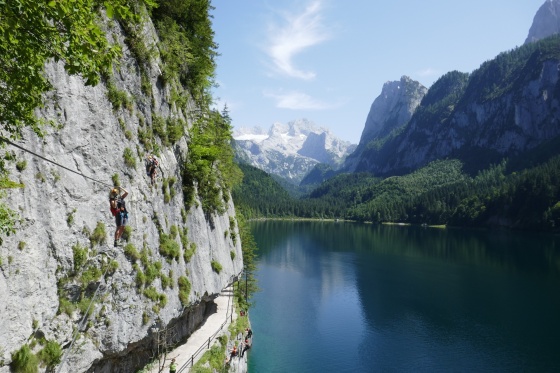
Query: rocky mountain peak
546,21
392,108
291,150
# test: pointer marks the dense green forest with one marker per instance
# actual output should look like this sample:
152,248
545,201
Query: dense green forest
440,193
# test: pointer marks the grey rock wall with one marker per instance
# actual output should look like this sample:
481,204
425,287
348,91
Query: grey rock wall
546,21
392,109
58,207
515,122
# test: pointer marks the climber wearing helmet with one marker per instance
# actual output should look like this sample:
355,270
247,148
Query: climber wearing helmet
118,209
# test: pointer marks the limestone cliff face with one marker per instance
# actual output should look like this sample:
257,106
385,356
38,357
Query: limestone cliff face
546,21
60,209
392,109
515,122
506,108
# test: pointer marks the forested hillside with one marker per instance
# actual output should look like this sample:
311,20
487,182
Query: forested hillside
440,193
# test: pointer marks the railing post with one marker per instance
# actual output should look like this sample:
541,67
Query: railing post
208,342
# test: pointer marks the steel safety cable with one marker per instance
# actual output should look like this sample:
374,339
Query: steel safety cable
53,162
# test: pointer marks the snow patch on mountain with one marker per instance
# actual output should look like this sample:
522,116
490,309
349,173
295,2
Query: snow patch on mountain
290,150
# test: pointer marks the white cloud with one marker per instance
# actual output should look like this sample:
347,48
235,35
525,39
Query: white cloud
297,32
297,101
428,72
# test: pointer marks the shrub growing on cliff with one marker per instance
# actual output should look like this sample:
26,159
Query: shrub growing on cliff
86,306
129,158
131,252
7,221
152,271
70,217
110,268
21,165
99,235
65,306
216,267
119,99
184,290
24,361
168,247
51,354
173,231
151,293
188,253
159,128
175,129
165,281
80,256
90,275
127,233
140,276
115,179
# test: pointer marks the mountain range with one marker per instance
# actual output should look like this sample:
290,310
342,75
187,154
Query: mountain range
477,149
291,150
507,107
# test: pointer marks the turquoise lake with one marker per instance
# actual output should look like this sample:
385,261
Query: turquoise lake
348,297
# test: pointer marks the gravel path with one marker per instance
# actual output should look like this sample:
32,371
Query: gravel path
209,329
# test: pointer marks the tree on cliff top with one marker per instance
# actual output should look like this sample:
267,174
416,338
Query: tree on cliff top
33,33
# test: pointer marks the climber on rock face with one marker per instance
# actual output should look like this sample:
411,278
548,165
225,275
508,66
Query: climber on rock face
118,209
152,164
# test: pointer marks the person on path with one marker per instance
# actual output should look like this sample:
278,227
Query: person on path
173,366
118,209
249,333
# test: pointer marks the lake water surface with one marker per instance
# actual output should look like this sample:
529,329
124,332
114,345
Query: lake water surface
345,297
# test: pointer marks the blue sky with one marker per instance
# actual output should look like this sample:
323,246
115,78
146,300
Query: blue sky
327,60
